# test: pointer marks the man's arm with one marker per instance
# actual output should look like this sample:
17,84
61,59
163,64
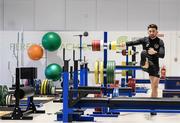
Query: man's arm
161,52
137,42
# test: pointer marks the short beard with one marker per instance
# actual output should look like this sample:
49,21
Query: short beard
152,37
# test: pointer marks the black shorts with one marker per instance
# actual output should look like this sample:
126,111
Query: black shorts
153,70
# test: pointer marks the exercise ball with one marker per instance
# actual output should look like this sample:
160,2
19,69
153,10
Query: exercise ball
51,41
53,72
35,52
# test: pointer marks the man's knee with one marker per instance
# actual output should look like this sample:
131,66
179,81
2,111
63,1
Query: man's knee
155,86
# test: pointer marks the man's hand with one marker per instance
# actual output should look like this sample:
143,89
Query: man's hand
122,45
151,51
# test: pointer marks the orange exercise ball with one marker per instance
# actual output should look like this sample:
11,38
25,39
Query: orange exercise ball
35,52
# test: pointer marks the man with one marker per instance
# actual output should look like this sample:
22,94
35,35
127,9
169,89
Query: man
153,49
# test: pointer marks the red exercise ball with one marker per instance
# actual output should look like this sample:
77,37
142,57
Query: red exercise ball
35,52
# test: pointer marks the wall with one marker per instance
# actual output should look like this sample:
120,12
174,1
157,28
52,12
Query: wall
94,15
1,14
1,33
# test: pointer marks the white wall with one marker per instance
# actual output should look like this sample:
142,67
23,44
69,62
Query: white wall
168,16
1,14
18,14
112,14
178,15
73,15
141,13
7,57
49,14
80,14
1,56
1,28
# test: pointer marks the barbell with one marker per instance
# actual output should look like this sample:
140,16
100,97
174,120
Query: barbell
97,45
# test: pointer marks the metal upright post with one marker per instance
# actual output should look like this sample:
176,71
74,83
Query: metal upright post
80,49
105,65
105,60
75,77
65,92
75,80
127,60
134,60
81,75
86,74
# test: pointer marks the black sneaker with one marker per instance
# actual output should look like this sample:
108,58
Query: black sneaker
153,113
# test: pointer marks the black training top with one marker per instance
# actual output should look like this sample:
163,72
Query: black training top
157,44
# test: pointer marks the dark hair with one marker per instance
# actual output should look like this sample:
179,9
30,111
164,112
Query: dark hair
153,26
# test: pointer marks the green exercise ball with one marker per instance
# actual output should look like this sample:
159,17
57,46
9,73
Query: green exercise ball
51,41
53,72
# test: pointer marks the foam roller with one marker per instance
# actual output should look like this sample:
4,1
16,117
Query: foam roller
25,92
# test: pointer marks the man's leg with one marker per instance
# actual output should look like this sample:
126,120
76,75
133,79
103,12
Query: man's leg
151,80
144,60
154,86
